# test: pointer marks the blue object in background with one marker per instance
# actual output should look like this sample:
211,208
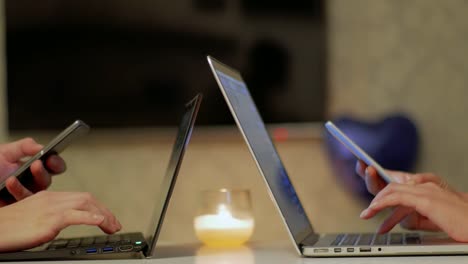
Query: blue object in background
393,142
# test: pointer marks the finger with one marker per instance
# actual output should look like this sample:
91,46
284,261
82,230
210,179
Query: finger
398,215
77,217
429,177
426,177
109,225
400,176
390,189
86,202
397,176
417,202
374,183
16,189
399,188
41,176
55,164
14,151
361,168
408,217
428,190
111,219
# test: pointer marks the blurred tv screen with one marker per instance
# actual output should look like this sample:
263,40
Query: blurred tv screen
116,63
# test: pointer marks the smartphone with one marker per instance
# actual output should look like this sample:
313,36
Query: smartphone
356,150
55,146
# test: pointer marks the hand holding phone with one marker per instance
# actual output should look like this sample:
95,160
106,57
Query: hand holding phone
57,145
356,150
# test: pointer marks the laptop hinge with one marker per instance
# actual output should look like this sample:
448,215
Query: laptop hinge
310,240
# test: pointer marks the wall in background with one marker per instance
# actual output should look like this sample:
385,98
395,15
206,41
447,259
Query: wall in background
86,59
405,56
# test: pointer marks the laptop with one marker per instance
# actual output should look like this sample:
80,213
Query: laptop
125,245
306,241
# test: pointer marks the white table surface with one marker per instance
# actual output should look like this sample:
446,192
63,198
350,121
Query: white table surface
267,253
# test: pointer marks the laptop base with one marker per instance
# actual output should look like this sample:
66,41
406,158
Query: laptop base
391,244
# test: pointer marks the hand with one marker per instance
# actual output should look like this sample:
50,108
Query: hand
39,218
408,217
436,207
375,183
10,160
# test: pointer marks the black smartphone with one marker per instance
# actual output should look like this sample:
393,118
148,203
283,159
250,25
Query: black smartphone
55,146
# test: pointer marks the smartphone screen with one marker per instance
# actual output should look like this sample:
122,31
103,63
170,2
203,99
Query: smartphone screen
55,146
356,150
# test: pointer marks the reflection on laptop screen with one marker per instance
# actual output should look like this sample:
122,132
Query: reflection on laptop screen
265,153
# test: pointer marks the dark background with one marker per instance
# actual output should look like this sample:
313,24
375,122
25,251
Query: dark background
117,63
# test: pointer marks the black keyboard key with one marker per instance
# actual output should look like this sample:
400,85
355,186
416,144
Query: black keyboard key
380,240
87,241
100,240
365,240
59,243
72,243
113,238
396,239
337,240
412,239
349,240
125,239
412,235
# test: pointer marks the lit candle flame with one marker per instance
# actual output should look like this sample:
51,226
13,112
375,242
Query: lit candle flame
222,229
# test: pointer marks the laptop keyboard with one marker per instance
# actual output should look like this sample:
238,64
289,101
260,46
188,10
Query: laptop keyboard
116,240
376,239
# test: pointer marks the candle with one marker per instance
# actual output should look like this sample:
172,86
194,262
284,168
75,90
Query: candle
231,255
222,229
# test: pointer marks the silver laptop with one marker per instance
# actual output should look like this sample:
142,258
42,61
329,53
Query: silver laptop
123,245
306,241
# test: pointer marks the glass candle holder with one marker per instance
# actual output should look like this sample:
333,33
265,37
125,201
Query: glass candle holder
224,218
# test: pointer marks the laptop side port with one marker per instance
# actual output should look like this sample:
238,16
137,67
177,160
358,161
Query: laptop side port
321,250
337,250
365,249
126,248
350,249
91,250
107,249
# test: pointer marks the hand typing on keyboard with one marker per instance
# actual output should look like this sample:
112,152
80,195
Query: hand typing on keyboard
39,218
420,202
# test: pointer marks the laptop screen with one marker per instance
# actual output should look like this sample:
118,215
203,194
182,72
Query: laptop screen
167,185
268,161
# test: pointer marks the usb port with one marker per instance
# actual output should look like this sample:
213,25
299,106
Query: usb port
337,250
107,249
350,249
365,249
91,250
